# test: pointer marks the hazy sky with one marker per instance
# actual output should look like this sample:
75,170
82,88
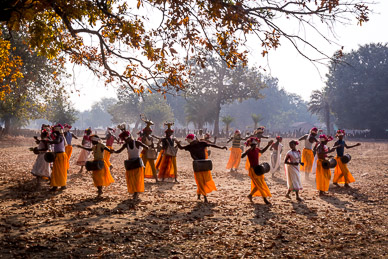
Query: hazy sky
295,74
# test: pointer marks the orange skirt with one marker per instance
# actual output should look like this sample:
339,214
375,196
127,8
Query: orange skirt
159,159
68,151
308,160
323,177
107,156
103,177
234,158
60,167
135,180
205,183
168,167
150,169
258,185
341,173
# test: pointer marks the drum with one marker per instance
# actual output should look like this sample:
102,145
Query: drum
202,165
262,168
133,163
94,165
35,150
151,154
49,157
346,158
327,164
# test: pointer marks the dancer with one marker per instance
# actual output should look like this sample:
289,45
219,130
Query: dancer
342,174
291,166
101,177
276,154
167,166
84,154
109,140
68,137
258,184
258,133
148,155
323,175
307,153
41,168
61,162
134,175
204,180
207,140
235,151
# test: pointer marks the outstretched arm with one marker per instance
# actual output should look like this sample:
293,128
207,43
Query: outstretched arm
268,145
215,146
304,137
355,145
124,146
246,152
74,136
142,144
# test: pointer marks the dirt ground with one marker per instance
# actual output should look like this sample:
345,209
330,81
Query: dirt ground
169,222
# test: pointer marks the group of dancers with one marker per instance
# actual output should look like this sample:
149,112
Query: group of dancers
147,159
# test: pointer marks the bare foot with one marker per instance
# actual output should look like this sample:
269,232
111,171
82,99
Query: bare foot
205,200
321,193
288,196
336,184
250,198
347,185
266,201
199,197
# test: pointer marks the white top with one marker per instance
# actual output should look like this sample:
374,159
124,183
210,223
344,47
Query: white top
294,156
307,143
134,152
147,141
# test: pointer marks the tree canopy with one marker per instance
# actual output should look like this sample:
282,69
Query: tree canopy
358,89
147,43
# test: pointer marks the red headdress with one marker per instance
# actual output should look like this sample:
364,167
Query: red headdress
323,137
279,138
123,135
251,141
294,141
88,130
340,132
237,132
314,130
58,127
190,136
67,126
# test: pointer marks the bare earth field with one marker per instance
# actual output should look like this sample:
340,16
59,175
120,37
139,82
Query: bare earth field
169,222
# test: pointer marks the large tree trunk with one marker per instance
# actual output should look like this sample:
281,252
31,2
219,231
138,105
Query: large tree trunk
217,120
7,125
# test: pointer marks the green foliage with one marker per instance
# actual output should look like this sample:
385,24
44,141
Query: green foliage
98,116
222,85
256,119
200,110
60,110
130,106
28,95
278,108
358,89
227,120
319,105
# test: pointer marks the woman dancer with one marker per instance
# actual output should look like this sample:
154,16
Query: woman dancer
276,149
342,174
258,185
135,175
41,168
292,162
167,166
235,151
101,177
84,154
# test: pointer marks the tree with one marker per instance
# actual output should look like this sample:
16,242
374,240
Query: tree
200,110
358,89
278,108
129,108
156,33
256,119
319,105
227,120
27,96
223,85
60,110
